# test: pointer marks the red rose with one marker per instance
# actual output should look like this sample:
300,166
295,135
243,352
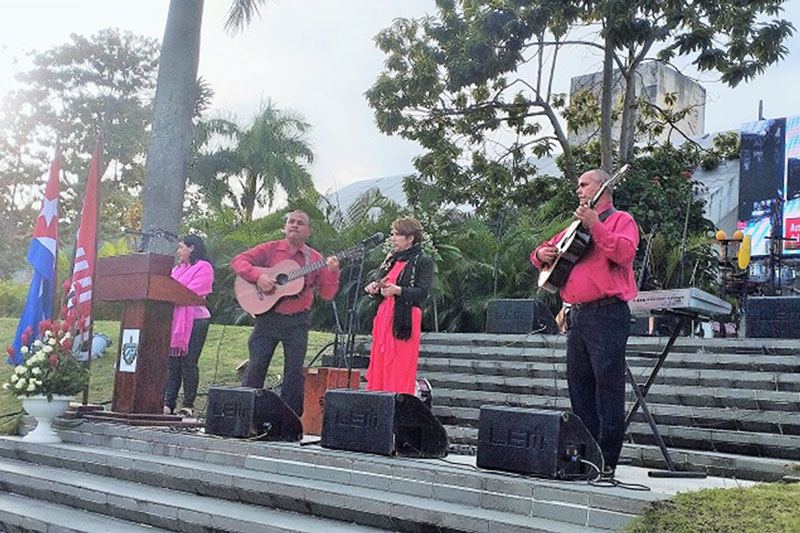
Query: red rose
53,361
67,344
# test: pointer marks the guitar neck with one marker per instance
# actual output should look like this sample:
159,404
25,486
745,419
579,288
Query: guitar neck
308,269
596,198
316,265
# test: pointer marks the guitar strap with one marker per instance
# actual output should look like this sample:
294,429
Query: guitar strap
307,259
607,213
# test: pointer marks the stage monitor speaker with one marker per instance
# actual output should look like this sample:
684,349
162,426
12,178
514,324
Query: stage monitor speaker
381,422
773,317
543,443
245,412
519,316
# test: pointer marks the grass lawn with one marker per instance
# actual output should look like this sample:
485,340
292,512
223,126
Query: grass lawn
225,348
769,507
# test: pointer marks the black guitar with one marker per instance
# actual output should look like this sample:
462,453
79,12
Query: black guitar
573,245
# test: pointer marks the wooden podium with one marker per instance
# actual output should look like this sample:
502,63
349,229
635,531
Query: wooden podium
143,282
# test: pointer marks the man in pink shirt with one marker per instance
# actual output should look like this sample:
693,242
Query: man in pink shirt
599,287
288,321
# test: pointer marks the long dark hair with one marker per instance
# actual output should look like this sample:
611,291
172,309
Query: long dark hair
199,251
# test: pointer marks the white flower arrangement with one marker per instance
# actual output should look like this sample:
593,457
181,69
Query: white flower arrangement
48,366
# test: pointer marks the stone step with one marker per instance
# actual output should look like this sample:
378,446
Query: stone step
711,360
722,440
682,344
518,389
20,513
232,452
543,392
456,407
400,497
726,378
145,504
727,465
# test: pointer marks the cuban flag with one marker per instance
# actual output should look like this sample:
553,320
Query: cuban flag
42,257
79,298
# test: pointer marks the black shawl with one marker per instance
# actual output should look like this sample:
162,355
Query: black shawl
415,279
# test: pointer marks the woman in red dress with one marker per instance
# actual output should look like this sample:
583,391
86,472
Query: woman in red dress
404,281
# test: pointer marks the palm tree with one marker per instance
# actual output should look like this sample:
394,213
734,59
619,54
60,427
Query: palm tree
248,165
171,135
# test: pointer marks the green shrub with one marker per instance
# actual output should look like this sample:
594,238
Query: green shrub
12,297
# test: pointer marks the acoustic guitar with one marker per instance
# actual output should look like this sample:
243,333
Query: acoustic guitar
573,245
289,278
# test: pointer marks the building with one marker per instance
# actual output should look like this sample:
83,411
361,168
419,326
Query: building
654,81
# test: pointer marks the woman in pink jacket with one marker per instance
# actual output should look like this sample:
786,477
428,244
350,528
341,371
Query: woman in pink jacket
189,325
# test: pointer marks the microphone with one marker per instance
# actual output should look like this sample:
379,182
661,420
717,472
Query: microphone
372,241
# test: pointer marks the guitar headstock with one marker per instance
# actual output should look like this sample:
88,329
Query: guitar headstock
618,176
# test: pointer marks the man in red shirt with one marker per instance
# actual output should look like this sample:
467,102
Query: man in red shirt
599,287
288,321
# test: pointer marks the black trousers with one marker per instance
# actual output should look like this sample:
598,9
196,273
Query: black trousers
184,369
292,331
596,373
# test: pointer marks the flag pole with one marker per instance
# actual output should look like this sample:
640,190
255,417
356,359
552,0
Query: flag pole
90,332
111,109
56,311
41,256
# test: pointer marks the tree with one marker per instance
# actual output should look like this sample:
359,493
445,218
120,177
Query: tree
729,39
248,165
458,83
171,135
170,140
70,91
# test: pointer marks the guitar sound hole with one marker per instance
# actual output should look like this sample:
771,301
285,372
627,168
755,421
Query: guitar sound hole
282,279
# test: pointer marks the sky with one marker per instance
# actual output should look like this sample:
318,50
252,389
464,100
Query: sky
318,57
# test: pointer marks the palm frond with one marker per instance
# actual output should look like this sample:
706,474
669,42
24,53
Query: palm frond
240,14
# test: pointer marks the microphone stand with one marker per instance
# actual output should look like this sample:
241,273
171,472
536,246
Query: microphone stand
346,352
775,245
350,338
335,342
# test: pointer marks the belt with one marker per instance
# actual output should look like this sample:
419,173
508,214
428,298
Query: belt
597,303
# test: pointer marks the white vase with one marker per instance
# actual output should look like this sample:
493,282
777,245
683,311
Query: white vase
44,411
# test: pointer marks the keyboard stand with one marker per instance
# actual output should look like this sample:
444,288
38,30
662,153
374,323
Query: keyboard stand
640,391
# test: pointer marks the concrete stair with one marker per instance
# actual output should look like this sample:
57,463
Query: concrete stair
21,513
734,399
182,481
